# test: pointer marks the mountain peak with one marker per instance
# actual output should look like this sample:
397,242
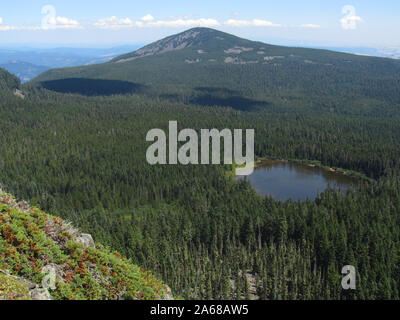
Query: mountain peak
195,37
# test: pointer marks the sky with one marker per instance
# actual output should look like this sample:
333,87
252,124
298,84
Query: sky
102,23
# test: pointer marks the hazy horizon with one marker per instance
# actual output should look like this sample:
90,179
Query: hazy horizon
357,23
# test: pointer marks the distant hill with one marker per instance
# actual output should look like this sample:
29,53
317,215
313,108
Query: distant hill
25,71
63,56
385,52
8,81
177,66
37,244
27,63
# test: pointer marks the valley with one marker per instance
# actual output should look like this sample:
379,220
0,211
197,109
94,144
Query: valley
75,146
28,62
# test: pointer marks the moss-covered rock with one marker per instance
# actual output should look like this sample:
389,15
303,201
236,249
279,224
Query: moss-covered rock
13,289
50,252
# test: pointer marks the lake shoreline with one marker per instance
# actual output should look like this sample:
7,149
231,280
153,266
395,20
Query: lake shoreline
315,164
298,180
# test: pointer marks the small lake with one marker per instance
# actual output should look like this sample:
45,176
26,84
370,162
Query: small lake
290,180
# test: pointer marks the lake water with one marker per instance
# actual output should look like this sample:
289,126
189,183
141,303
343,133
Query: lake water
290,180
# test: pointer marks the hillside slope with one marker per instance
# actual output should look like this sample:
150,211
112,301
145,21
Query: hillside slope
8,81
207,67
25,71
33,243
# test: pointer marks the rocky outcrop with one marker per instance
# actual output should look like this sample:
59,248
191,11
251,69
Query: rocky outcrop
178,42
17,288
18,93
168,294
85,240
40,294
75,267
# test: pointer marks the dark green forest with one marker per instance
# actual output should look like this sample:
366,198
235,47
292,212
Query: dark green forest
83,158
205,234
215,66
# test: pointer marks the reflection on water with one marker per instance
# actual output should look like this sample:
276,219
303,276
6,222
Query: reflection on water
290,180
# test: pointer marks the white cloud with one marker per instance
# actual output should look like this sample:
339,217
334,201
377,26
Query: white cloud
51,21
250,23
38,28
237,23
60,23
149,21
184,23
12,28
310,26
6,28
48,23
147,17
264,23
115,23
20,28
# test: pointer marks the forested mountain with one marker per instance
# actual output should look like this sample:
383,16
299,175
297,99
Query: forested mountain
27,63
8,81
79,152
205,234
25,71
208,67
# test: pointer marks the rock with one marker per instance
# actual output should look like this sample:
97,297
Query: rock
168,294
28,283
23,206
86,240
40,294
19,94
14,288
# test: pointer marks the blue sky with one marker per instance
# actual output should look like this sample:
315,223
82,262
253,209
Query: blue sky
104,23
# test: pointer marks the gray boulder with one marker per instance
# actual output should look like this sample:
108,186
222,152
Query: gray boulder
40,294
86,240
